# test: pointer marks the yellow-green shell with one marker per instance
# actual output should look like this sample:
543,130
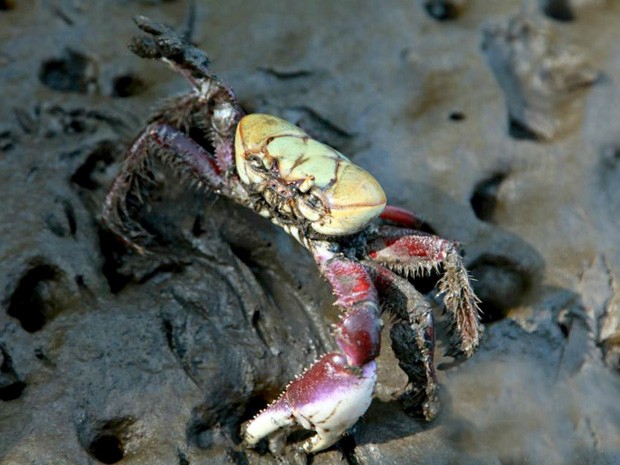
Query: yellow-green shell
352,196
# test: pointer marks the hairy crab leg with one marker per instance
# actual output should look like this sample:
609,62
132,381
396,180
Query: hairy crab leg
414,328
167,136
218,99
170,144
411,253
334,392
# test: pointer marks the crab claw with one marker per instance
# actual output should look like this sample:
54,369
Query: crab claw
328,398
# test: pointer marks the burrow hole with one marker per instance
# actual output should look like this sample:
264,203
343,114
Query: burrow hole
560,10
106,442
71,72
442,10
94,172
127,85
106,448
6,5
11,387
32,301
500,283
456,116
484,198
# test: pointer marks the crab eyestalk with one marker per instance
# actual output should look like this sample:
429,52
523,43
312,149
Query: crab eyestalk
335,196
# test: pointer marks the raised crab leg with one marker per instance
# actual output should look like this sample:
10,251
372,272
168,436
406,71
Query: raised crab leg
333,393
412,253
167,136
212,100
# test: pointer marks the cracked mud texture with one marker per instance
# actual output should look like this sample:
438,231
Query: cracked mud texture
108,357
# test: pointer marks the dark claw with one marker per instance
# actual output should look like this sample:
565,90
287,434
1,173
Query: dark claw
144,47
151,27
164,42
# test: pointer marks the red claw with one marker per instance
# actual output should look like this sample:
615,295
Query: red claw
359,335
329,397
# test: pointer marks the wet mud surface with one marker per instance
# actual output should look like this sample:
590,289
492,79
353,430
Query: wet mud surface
499,124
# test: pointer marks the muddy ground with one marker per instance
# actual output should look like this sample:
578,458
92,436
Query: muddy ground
498,122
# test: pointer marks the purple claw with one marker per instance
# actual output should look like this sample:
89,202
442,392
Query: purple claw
329,397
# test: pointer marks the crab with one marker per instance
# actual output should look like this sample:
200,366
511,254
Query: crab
365,248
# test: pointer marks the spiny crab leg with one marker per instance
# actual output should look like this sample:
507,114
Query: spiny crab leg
412,253
212,99
167,138
414,329
170,144
333,393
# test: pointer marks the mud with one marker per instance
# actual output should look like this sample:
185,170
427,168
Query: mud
110,357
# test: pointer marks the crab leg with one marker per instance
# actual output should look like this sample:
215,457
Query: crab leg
164,43
333,393
217,99
410,252
170,144
167,136
414,329
402,217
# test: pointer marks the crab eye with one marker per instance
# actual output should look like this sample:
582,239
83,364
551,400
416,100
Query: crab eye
311,206
314,201
256,163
